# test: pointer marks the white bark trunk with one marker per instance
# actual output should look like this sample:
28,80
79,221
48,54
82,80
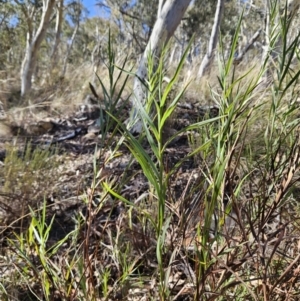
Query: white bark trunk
32,46
64,70
160,5
208,59
58,25
165,25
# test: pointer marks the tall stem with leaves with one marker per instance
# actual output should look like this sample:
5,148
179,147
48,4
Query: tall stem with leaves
154,116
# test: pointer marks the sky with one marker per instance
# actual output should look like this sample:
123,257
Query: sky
96,11
92,8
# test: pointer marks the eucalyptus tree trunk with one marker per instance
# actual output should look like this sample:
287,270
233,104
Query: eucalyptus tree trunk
208,58
58,26
33,43
164,27
160,5
69,48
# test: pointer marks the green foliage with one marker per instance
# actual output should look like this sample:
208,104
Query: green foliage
139,17
10,33
111,95
220,232
200,18
32,248
153,166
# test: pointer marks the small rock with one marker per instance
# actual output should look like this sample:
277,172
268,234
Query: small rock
5,130
89,137
47,125
94,129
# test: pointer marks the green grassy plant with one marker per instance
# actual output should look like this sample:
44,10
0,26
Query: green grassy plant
112,94
155,117
232,142
231,231
34,258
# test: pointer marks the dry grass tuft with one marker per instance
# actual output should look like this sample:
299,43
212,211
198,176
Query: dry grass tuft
27,177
